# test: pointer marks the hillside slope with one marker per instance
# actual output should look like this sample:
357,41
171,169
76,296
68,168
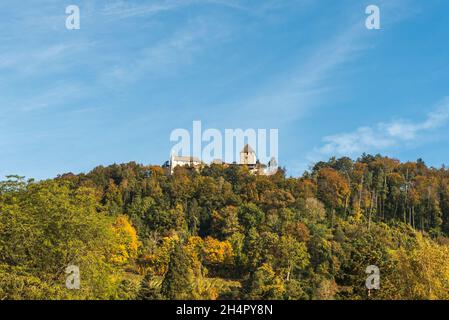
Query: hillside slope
137,232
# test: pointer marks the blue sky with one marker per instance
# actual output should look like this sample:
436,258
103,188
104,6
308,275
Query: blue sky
114,90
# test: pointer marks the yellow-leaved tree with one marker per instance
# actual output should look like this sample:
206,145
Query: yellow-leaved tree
216,252
422,272
127,241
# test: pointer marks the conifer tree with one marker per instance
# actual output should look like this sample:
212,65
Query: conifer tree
177,283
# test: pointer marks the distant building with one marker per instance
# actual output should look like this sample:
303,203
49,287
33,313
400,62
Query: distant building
272,167
247,158
181,161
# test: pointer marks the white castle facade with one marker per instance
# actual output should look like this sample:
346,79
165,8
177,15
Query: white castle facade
247,158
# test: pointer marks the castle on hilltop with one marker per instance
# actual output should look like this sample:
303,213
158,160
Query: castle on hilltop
247,158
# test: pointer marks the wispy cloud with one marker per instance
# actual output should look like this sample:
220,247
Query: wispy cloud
165,57
39,59
126,9
303,86
383,135
310,82
60,96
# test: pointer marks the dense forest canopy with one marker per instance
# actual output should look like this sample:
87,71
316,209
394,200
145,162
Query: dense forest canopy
137,232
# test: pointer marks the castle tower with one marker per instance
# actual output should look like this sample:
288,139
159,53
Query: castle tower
248,156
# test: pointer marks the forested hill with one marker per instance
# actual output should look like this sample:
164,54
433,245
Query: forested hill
137,232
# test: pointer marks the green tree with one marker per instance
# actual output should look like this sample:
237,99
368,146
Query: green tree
178,280
46,226
149,289
264,284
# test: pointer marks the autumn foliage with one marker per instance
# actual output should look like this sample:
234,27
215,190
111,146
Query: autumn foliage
139,232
